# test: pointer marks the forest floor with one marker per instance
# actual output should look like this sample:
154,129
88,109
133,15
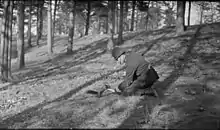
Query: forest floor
51,92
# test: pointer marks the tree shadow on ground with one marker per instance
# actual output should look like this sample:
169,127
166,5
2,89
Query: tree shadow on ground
27,113
165,37
79,56
162,86
60,115
203,111
200,113
29,49
31,112
39,72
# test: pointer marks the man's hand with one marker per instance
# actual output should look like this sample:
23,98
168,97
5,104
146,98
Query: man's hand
124,73
129,91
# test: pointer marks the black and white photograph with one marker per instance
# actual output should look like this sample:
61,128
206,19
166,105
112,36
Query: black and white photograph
105,64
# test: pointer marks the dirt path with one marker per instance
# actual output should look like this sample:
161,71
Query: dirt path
58,99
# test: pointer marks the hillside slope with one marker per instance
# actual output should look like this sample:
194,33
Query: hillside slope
53,91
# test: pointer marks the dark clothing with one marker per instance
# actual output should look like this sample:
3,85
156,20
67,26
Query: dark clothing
139,74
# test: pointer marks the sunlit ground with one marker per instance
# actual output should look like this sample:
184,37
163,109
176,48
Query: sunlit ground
53,92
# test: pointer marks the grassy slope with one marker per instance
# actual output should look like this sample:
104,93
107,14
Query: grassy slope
58,99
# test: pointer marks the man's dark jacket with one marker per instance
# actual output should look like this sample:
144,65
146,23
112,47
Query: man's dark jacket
139,74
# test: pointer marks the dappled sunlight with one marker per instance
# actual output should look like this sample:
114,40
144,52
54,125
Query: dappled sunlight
59,71
164,71
55,92
57,81
183,88
113,116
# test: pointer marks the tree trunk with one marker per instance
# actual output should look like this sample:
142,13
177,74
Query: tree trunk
60,28
126,25
99,25
113,18
106,25
116,17
180,17
10,39
49,29
54,18
120,38
7,41
147,17
110,44
142,25
20,37
146,22
88,17
107,29
157,21
189,9
201,14
29,26
41,20
107,19
5,4
38,24
213,12
137,19
5,58
72,16
132,15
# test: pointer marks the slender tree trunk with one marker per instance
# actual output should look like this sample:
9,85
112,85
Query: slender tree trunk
54,19
107,19
201,15
41,20
60,28
72,16
118,11
110,44
5,58
7,41
10,39
20,38
137,21
146,23
106,25
157,21
120,38
142,20
213,12
132,15
88,17
38,24
29,26
180,17
99,25
113,18
147,17
5,4
116,17
49,35
189,12
126,25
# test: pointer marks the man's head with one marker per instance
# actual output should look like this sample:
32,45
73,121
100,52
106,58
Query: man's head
119,54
